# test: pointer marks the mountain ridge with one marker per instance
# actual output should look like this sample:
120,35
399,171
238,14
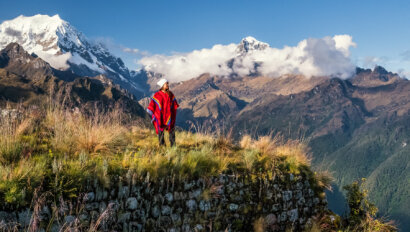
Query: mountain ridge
65,48
354,126
29,80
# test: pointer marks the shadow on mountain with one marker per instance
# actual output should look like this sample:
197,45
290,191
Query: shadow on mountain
14,93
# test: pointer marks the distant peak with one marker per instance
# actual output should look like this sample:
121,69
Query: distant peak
39,29
38,18
14,48
56,16
15,51
250,39
380,70
249,43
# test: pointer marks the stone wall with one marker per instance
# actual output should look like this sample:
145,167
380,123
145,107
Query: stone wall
222,202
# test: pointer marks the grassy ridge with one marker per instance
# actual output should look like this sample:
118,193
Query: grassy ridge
60,150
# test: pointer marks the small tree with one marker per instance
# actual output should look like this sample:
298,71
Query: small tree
359,205
362,211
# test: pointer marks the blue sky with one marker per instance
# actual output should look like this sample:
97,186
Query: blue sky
381,29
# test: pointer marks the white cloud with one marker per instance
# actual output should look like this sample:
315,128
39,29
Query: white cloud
403,73
372,61
343,43
56,61
185,66
405,56
135,51
310,57
131,50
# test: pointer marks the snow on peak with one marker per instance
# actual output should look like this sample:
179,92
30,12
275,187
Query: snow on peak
328,56
64,47
249,44
250,39
46,36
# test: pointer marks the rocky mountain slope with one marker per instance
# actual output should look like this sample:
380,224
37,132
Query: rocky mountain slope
29,80
65,48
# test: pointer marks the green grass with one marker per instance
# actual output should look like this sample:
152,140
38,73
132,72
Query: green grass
61,151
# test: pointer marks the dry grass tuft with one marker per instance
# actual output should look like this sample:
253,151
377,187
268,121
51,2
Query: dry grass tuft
324,179
10,144
246,142
294,150
296,153
74,132
265,144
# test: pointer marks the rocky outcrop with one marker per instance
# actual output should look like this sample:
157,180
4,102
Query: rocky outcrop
29,80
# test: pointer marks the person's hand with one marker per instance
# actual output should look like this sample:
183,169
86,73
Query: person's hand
149,112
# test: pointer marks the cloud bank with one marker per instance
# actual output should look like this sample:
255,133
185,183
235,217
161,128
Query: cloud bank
328,56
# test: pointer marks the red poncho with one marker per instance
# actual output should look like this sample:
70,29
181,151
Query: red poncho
163,107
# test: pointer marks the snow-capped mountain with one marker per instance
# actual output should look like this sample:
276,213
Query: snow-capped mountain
245,60
328,56
235,59
65,48
250,44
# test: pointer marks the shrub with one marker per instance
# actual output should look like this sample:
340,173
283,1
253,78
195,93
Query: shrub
362,212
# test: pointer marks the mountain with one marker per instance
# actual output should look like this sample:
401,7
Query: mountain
358,127
29,80
66,49
249,44
212,100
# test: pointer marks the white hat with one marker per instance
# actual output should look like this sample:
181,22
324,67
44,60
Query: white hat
162,82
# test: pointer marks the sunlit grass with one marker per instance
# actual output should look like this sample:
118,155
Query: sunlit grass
72,132
67,149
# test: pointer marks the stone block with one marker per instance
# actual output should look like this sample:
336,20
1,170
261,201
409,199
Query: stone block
169,197
287,195
293,215
132,203
191,204
176,218
166,210
155,211
233,207
204,205
89,197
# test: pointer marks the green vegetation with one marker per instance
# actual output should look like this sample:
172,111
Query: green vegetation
361,217
60,151
380,153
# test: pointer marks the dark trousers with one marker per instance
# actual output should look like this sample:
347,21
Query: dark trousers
161,137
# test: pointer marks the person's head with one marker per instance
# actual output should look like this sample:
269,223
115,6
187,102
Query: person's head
163,84
165,87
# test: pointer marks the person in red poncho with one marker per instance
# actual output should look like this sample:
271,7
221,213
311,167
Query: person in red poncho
163,110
